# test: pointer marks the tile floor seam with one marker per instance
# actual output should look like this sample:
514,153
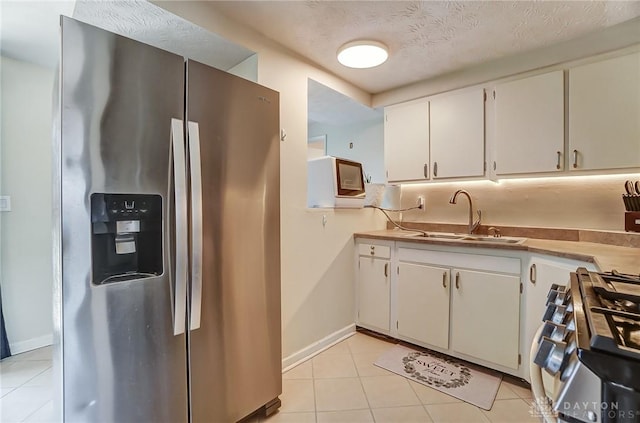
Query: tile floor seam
366,397
313,388
427,411
11,389
371,413
45,370
34,412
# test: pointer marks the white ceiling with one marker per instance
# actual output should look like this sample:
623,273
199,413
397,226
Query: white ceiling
29,30
425,38
150,24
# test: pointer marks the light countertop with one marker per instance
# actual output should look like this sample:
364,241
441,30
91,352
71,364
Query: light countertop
606,257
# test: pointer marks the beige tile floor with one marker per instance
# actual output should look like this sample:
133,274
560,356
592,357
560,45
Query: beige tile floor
342,385
339,385
25,387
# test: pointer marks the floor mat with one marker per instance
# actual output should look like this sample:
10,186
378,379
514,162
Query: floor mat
472,384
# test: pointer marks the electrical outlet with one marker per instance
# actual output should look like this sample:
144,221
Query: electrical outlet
421,202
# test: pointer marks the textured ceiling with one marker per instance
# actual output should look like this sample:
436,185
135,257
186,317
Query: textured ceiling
29,30
425,38
150,24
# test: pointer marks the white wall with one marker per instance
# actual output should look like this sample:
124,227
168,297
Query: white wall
247,69
579,202
318,297
368,144
25,259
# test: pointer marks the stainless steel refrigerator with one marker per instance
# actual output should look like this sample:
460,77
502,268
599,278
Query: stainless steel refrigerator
167,221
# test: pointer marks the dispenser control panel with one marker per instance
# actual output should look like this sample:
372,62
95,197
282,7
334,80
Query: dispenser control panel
127,236
128,209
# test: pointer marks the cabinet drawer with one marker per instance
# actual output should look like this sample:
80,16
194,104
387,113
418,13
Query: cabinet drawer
374,250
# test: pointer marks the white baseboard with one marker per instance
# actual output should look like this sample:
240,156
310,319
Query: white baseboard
31,344
317,347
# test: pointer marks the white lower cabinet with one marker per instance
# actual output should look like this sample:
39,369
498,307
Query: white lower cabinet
485,316
540,273
478,305
423,303
373,287
462,304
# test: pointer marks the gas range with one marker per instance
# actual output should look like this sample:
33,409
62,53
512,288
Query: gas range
590,343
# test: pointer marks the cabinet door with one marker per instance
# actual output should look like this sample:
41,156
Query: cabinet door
604,114
530,125
457,134
542,273
406,141
423,304
486,316
373,293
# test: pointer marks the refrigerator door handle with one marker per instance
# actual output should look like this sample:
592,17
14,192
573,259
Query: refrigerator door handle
196,224
181,235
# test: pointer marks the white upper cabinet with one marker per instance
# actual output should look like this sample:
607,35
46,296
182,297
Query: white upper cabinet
530,125
406,141
457,134
604,114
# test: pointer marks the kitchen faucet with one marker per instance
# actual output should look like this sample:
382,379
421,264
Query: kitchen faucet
472,225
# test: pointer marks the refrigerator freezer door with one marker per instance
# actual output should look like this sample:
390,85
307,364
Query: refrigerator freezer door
235,355
120,359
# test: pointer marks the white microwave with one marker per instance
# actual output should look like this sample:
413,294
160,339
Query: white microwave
335,182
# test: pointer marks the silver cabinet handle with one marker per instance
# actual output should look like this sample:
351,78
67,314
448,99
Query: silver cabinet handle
386,270
444,279
425,171
558,165
181,241
435,168
533,273
575,158
193,139
457,280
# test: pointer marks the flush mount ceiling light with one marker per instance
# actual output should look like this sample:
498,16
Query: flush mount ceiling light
362,54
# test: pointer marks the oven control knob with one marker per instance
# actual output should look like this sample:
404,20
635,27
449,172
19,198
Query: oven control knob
563,298
558,297
550,355
569,368
557,313
570,340
570,323
555,332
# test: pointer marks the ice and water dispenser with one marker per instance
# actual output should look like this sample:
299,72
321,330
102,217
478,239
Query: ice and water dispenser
126,238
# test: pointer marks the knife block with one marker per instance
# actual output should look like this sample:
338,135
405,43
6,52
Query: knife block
632,221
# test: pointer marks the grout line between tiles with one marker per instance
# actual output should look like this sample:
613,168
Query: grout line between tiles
35,411
313,388
424,406
45,370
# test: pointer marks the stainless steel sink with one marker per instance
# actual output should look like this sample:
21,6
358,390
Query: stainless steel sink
469,238
438,236
498,240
